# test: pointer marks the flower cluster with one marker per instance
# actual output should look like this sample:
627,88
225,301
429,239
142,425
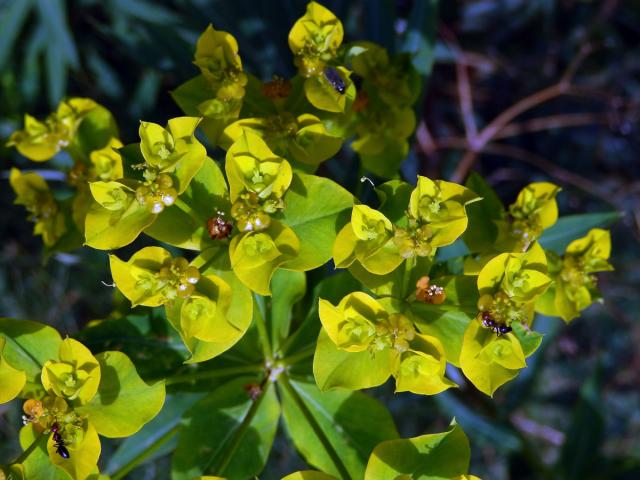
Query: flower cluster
71,397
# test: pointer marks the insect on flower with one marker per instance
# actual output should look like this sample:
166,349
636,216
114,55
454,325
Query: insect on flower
496,327
58,442
218,227
333,77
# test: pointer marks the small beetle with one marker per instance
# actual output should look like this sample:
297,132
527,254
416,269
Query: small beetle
333,77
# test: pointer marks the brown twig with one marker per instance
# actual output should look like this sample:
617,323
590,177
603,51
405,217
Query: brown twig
478,143
466,102
427,147
552,122
563,175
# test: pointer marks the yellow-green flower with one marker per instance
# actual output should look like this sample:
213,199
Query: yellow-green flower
41,140
33,192
575,285
75,375
376,336
314,39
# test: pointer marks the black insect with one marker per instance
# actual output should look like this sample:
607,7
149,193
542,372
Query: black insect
58,442
498,328
333,77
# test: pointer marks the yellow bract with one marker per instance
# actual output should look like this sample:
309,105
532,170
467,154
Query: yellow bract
11,379
39,141
33,192
314,39
251,166
74,375
489,361
575,286
106,163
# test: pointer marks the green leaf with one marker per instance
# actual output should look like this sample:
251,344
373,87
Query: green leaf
482,232
191,94
227,434
28,346
568,228
309,475
158,436
428,457
394,198
12,380
97,128
124,403
334,368
144,338
316,209
334,431
446,324
586,432
184,224
288,287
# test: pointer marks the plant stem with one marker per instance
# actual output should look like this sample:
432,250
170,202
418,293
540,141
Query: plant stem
259,317
317,429
298,356
186,208
409,263
35,444
142,456
239,434
222,372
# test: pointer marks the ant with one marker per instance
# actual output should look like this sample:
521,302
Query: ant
58,444
497,328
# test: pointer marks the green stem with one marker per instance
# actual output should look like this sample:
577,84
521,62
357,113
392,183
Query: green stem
317,429
186,208
299,356
409,263
259,317
239,434
221,372
35,444
141,457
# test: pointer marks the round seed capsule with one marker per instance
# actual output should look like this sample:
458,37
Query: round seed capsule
164,181
169,196
185,290
193,275
156,206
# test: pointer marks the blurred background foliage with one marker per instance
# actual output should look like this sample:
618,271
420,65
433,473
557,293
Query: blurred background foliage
575,412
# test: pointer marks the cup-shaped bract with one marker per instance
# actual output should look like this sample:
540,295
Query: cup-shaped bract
252,167
74,375
11,379
33,192
314,39
574,285
441,206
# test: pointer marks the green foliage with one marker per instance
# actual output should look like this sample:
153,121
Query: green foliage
72,397
237,311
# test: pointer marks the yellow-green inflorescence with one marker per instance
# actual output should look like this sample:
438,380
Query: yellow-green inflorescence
359,323
435,217
575,285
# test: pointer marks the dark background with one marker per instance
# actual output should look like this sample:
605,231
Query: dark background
575,412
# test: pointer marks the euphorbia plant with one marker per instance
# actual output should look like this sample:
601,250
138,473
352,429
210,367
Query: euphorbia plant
433,275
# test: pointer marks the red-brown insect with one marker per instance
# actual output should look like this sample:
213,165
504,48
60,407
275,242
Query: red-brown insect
218,227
